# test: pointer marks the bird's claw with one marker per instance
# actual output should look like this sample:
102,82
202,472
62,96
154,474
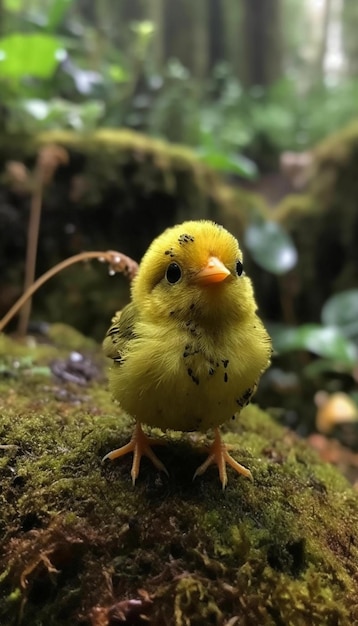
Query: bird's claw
218,453
140,444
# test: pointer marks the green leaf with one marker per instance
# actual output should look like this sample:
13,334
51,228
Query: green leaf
13,5
118,74
271,247
144,29
36,108
320,367
283,337
56,13
342,310
231,164
326,341
28,55
40,371
57,112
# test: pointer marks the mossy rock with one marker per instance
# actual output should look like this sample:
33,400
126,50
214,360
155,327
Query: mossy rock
324,224
80,545
118,190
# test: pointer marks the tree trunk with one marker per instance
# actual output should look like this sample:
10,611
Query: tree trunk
132,10
156,15
216,51
200,38
185,34
350,40
232,15
263,49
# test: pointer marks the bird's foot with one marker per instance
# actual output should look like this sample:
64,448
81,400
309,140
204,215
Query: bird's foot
218,453
140,444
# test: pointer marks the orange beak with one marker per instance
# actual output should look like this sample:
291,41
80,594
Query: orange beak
213,272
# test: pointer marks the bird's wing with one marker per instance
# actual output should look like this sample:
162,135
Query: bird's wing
120,333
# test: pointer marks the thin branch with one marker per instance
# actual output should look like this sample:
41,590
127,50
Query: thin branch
48,160
117,261
31,252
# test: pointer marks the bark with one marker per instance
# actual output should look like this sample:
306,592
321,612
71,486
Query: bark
263,49
216,52
350,40
156,15
185,35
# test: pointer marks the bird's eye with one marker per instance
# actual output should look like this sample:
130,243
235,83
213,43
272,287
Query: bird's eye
239,268
173,273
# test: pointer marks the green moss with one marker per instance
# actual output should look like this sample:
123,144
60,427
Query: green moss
78,541
158,167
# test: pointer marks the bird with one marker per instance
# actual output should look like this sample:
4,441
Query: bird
189,349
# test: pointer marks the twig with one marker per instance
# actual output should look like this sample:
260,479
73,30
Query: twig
31,252
117,261
48,160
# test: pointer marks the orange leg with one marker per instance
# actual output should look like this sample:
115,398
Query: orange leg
140,445
218,453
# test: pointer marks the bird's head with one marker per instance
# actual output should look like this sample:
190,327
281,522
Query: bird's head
196,266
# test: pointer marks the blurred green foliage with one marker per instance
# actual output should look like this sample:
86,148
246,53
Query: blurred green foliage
335,340
57,69
270,246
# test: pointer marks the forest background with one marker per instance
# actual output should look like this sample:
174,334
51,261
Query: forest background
251,77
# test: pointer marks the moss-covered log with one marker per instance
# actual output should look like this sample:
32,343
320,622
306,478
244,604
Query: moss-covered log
118,190
80,545
324,224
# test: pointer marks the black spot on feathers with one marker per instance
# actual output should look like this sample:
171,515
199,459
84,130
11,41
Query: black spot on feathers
245,398
185,239
194,378
170,253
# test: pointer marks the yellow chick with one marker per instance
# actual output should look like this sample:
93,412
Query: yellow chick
189,349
